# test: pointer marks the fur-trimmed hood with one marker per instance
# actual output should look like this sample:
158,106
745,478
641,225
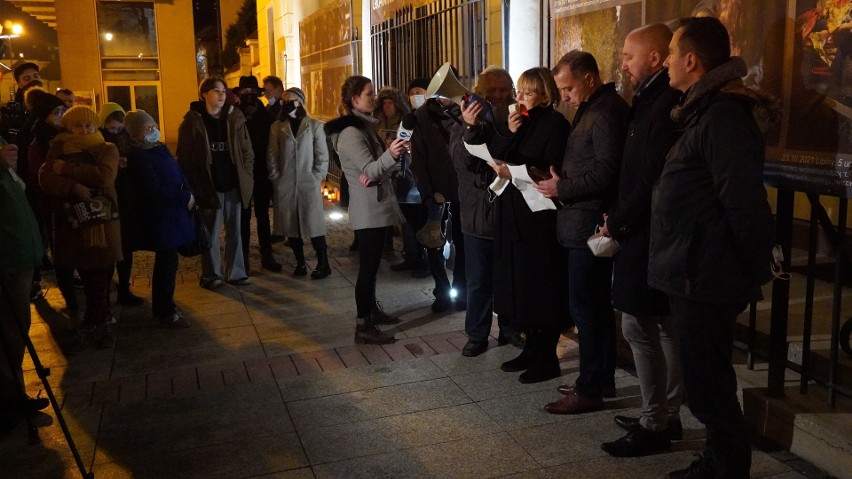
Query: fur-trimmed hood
356,119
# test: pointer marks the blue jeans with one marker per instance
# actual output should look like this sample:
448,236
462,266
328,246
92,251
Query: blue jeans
479,270
590,305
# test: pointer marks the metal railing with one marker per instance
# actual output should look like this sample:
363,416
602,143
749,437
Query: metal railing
418,40
779,342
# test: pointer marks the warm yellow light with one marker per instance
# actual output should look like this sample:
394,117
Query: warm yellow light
17,29
108,36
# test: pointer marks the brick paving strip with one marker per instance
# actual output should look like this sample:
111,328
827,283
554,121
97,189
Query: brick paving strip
189,381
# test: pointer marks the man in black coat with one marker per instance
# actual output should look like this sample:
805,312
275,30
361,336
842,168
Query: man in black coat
433,171
711,233
645,319
586,186
258,122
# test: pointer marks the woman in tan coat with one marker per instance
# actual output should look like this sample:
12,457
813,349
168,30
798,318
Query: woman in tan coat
79,177
297,159
372,203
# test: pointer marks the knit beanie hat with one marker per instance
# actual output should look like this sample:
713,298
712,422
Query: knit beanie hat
108,109
45,104
134,122
300,95
79,113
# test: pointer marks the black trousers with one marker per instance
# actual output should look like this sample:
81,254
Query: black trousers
163,283
706,346
262,199
371,242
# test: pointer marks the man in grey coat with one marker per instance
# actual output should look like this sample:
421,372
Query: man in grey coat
585,188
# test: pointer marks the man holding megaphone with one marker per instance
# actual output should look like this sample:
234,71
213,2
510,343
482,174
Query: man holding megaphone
436,179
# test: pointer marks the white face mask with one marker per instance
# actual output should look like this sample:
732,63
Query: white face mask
417,100
153,136
272,101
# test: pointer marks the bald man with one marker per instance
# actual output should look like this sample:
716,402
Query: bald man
645,320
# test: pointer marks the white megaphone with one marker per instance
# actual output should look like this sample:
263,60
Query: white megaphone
444,84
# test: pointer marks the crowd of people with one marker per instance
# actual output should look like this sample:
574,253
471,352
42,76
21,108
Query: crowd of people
674,178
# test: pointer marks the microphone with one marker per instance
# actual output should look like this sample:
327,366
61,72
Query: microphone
406,127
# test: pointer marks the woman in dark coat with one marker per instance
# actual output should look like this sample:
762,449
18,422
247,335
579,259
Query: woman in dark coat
163,211
112,119
526,274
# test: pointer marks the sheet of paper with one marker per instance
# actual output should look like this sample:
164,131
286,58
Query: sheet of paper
481,152
522,181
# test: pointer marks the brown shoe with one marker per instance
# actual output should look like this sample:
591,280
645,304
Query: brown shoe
608,392
575,404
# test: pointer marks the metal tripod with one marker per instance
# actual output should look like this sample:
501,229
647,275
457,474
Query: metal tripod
42,373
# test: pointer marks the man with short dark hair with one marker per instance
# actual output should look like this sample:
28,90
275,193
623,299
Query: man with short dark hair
711,233
645,317
586,187
67,96
273,88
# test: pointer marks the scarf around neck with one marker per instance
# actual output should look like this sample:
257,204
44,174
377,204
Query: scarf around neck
72,143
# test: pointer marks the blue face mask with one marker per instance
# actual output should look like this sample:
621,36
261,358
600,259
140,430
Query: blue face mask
153,136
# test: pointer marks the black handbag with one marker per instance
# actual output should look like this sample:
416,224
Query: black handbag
202,241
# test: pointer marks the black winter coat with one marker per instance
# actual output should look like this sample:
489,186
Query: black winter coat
128,199
431,162
474,175
650,134
258,123
712,229
527,286
588,182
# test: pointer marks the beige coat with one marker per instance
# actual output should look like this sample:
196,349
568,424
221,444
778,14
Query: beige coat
297,165
354,139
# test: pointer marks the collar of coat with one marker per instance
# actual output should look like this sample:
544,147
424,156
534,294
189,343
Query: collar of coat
604,90
726,75
335,126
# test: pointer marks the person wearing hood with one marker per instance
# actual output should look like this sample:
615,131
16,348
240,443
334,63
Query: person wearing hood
297,160
711,233
258,121
408,196
163,211
432,165
372,205
112,121
214,150
79,176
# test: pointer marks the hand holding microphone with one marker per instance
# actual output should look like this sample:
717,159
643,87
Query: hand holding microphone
403,135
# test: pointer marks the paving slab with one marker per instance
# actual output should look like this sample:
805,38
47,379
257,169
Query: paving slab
358,379
346,441
375,403
495,455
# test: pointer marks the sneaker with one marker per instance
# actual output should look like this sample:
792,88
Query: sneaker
245,281
175,320
211,283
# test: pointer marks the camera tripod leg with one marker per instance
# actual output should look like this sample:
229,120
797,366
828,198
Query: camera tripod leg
43,373
21,389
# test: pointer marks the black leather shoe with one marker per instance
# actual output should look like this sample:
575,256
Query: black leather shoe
441,304
537,373
638,442
566,389
520,363
301,270
381,317
674,430
700,468
474,348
